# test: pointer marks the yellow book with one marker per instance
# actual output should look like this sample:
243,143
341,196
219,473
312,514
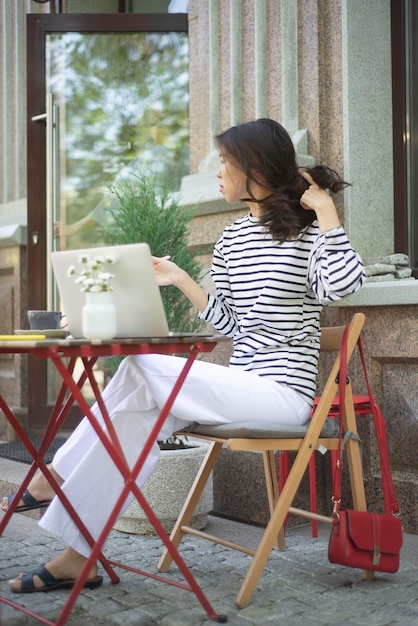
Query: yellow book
22,337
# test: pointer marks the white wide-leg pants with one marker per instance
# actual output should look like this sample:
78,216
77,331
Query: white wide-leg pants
211,394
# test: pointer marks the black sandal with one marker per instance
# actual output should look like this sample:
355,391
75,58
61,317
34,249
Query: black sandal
51,583
30,503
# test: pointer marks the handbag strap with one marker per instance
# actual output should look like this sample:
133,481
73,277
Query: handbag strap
342,382
389,495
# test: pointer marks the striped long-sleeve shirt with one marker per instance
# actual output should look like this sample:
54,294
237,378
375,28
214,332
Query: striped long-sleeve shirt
269,297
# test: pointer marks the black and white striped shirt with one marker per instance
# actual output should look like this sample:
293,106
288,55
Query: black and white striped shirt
269,297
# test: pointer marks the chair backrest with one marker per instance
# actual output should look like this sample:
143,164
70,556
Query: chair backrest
331,336
331,342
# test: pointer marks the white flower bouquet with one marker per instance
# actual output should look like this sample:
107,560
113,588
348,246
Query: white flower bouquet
94,275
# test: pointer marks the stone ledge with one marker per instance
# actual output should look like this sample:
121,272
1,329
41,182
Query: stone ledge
13,235
385,293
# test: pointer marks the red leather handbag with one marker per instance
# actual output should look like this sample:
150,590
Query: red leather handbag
362,539
368,541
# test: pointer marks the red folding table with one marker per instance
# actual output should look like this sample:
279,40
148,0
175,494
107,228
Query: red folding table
64,354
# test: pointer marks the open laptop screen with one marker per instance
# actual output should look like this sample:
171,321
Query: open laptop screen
136,295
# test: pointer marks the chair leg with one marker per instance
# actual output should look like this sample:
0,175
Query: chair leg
191,503
313,495
283,474
278,517
273,491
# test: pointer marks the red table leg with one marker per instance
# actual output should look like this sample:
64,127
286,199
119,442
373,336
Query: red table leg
111,442
113,447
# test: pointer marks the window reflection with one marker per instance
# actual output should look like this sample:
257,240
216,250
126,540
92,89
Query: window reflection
123,109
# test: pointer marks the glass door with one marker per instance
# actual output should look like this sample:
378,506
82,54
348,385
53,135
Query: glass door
107,99
118,108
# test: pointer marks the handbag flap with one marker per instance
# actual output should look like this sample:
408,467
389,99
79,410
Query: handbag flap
369,531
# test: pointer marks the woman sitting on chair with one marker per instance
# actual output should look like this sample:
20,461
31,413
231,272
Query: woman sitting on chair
274,269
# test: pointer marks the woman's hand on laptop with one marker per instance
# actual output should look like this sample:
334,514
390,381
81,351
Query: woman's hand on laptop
168,273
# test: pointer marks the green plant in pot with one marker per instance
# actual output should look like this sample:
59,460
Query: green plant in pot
143,212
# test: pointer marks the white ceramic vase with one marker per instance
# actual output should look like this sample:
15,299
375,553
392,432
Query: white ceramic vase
99,316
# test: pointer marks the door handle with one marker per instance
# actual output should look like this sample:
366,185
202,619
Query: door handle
39,118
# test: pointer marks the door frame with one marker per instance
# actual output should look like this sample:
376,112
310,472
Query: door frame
38,27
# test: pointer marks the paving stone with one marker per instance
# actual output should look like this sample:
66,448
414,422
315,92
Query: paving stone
298,586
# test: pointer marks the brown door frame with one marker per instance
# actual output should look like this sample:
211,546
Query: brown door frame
399,125
38,27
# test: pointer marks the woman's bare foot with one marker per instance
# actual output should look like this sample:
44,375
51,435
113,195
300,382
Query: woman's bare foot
67,566
39,488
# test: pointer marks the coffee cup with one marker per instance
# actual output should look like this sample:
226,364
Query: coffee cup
45,320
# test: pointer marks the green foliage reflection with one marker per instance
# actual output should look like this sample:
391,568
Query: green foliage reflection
123,101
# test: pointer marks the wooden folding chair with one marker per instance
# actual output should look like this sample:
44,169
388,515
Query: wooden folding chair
266,439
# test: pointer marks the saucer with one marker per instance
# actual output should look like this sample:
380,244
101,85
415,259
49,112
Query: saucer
53,333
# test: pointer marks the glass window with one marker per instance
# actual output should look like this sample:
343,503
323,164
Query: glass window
122,101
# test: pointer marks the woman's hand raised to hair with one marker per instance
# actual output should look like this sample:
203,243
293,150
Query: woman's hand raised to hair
317,199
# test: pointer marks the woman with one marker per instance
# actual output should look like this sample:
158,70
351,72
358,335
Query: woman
273,269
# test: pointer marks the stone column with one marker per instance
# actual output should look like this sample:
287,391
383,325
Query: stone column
243,65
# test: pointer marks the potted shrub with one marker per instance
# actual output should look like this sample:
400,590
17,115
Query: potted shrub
168,488
142,212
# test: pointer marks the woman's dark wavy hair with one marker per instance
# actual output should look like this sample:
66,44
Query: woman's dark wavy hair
264,151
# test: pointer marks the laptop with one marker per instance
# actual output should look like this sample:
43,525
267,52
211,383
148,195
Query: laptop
136,295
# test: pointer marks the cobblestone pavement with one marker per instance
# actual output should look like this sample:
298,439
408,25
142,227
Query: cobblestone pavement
298,586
